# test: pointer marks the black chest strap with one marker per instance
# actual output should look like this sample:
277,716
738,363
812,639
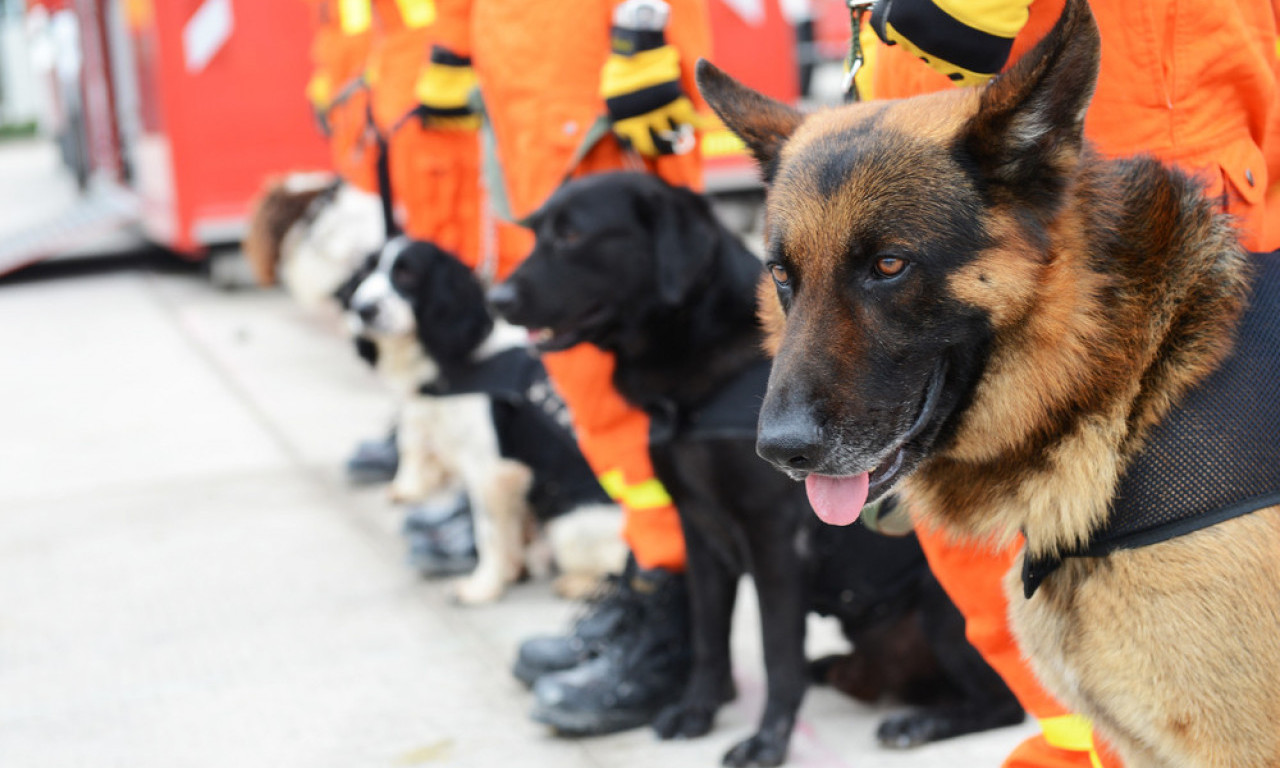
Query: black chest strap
731,413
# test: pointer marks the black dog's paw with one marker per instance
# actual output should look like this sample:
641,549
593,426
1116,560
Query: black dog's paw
684,721
759,750
934,724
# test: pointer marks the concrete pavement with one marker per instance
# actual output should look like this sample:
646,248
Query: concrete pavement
185,579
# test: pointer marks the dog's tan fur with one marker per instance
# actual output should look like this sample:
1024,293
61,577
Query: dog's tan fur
1172,649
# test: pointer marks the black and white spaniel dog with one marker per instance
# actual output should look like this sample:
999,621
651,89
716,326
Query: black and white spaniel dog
479,410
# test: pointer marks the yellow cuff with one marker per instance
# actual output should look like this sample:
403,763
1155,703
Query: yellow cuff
444,87
628,74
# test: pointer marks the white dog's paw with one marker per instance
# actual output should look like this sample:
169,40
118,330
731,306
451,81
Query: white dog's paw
478,589
405,492
576,586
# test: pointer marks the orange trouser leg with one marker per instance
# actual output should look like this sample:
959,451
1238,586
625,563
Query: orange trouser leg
614,437
973,576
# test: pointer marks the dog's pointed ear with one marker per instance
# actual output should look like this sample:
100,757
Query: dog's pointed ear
1028,131
762,123
685,240
450,310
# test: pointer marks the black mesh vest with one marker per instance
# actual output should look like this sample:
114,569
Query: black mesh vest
1217,454
533,427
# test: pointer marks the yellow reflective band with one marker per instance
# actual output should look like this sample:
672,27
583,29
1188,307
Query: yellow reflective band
355,16
613,483
647,494
1073,733
628,74
722,143
320,91
445,87
417,13
945,67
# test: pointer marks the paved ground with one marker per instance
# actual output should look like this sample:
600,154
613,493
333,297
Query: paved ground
185,579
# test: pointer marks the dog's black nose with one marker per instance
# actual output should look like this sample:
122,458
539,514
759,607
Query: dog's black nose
504,298
367,312
790,443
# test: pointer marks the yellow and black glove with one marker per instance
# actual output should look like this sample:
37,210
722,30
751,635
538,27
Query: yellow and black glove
444,90
967,42
648,108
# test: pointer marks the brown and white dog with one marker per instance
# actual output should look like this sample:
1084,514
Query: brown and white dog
311,231
973,308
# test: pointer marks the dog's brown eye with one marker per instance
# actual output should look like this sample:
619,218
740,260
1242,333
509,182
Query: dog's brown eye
890,266
779,273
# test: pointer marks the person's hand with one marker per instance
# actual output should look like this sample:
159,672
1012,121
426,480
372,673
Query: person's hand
640,83
444,91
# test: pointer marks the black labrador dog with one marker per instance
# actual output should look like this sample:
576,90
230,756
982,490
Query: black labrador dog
645,271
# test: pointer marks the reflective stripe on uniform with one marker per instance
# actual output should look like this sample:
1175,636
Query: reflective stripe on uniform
1073,733
417,13
646,494
355,16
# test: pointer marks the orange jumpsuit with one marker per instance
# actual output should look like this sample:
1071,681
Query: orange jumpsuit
339,53
1197,88
435,174
539,66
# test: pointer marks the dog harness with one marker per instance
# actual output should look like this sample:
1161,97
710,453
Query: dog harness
732,412
1215,457
533,427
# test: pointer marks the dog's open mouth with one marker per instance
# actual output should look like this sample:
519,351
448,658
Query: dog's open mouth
572,332
839,500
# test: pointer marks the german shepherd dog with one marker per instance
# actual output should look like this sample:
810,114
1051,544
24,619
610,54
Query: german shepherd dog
643,270
973,308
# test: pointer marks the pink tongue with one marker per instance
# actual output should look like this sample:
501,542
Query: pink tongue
837,500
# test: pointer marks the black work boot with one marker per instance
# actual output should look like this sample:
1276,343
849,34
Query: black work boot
374,461
605,613
640,671
441,536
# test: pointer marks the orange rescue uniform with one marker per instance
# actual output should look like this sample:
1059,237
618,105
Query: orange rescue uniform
539,65
339,53
435,174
